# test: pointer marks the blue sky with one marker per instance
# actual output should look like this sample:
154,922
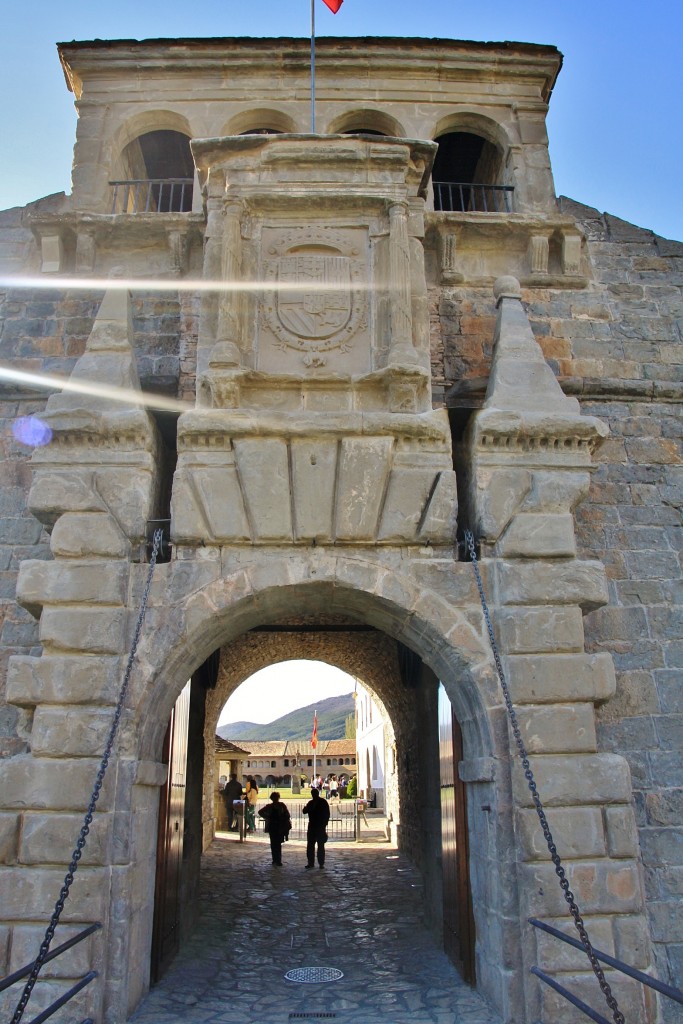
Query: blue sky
279,689
615,118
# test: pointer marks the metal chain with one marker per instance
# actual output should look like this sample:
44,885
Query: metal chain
529,776
78,850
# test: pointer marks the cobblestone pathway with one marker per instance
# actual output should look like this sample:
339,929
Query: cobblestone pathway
362,914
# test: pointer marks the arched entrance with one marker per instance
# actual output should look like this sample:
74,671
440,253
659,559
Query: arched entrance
431,639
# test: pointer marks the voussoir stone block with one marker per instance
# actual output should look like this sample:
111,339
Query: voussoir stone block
407,496
539,629
575,779
41,583
263,466
552,728
363,471
88,534
439,519
541,678
577,831
559,582
539,535
92,630
314,471
63,679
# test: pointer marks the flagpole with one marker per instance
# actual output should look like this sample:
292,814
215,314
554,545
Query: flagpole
313,68
315,748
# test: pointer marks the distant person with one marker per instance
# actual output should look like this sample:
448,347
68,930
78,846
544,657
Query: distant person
278,826
251,790
232,791
334,788
318,812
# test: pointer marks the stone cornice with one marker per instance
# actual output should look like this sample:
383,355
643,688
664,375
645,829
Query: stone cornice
458,59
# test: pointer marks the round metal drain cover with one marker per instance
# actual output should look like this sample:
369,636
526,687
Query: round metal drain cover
313,975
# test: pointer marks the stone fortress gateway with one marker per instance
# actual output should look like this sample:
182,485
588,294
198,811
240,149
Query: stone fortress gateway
359,343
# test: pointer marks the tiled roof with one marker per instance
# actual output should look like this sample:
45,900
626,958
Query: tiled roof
267,748
227,747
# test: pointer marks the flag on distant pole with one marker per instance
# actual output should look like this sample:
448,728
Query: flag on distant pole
314,744
332,5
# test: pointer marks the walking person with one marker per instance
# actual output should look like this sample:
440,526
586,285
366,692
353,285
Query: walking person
278,826
318,811
251,790
232,792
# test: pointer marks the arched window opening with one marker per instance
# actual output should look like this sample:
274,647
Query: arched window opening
467,175
261,131
158,175
364,131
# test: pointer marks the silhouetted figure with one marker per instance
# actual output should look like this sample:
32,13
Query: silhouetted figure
278,825
232,791
318,812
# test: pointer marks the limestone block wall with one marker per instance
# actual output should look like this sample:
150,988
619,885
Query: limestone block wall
616,346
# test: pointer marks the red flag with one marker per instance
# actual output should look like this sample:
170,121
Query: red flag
314,737
333,5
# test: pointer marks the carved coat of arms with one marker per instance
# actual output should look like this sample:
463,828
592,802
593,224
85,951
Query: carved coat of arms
316,301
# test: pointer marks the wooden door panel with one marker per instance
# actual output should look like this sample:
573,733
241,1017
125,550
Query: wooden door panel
165,935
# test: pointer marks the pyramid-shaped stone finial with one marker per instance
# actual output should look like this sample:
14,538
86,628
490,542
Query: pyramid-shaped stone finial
108,363
521,380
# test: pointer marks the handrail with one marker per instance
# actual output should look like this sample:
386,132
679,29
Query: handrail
63,999
152,195
574,1000
472,197
645,979
23,972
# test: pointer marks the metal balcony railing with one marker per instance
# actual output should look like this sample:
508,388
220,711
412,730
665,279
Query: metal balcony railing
152,195
465,197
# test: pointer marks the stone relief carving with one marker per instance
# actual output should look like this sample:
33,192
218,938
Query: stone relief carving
317,303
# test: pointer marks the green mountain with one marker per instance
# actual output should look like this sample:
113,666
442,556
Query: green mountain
332,715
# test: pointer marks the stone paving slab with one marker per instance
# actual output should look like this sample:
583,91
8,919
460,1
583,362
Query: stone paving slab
362,914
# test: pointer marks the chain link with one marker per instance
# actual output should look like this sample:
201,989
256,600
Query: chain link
529,776
99,780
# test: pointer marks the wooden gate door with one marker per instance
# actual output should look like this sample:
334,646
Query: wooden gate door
165,935
458,920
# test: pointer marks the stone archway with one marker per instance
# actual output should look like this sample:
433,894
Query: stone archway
188,622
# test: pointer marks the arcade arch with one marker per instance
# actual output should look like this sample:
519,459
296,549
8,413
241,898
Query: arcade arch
469,172
366,122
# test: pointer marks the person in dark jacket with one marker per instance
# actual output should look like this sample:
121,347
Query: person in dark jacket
318,812
278,826
232,792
